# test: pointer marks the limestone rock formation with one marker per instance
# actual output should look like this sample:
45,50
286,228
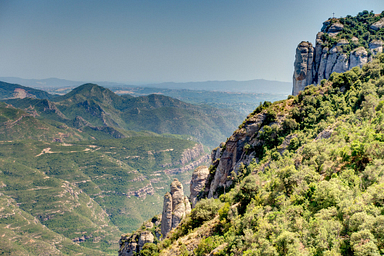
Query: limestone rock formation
232,153
178,204
302,75
199,178
313,64
145,237
166,220
376,46
378,25
175,207
131,244
187,205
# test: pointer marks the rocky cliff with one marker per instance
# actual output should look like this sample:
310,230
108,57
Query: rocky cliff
198,183
340,45
230,156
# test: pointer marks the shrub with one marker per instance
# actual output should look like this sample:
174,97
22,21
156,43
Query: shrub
205,210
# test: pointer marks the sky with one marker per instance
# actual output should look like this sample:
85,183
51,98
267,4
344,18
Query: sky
142,41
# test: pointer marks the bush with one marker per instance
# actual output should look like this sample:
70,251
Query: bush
248,190
205,210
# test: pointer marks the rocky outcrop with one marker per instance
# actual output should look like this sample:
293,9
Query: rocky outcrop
199,178
188,208
358,57
142,192
166,220
145,237
188,155
175,207
232,154
131,244
378,25
203,159
80,122
302,75
376,46
313,64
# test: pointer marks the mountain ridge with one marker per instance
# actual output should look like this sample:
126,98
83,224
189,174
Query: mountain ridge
100,107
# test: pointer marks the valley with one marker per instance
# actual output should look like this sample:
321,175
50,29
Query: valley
192,168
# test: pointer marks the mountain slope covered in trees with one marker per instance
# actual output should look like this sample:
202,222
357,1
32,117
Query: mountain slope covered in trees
309,180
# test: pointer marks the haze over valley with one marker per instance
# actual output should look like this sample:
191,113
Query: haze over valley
138,128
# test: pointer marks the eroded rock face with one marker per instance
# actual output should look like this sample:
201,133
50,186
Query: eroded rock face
166,220
376,46
302,75
175,207
187,205
132,244
313,64
178,204
199,178
335,28
233,154
145,237
129,246
358,57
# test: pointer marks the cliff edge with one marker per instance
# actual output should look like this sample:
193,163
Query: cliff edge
341,44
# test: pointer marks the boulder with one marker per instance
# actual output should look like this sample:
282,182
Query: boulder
335,28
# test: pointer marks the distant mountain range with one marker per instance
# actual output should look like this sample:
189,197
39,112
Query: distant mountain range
251,86
103,113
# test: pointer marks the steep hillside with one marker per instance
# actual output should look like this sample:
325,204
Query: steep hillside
301,176
342,44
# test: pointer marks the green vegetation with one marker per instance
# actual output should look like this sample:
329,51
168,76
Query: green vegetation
101,114
89,191
356,31
321,195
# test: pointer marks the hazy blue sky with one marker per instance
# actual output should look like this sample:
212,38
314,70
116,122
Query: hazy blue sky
161,40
